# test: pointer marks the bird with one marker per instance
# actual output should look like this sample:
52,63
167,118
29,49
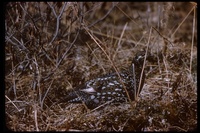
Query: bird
111,87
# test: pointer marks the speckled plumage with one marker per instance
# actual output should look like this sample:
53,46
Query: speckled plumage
110,87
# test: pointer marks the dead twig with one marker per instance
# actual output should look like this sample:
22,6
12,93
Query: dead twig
13,104
183,21
141,75
193,29
35,117
109,11
57,20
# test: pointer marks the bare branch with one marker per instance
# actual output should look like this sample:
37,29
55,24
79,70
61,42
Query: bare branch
57,20
109,11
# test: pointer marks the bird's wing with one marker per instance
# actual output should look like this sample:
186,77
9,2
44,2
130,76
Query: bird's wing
93,86
90,90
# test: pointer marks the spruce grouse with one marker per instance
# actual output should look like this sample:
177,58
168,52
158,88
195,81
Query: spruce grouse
110,87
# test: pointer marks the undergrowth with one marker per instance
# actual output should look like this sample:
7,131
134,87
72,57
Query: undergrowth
52,47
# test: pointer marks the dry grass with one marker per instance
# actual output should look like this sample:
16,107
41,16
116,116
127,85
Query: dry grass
53,47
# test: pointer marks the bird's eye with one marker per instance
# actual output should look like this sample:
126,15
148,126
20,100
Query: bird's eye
140,57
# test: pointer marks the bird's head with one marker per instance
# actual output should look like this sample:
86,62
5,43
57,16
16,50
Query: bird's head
139,59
